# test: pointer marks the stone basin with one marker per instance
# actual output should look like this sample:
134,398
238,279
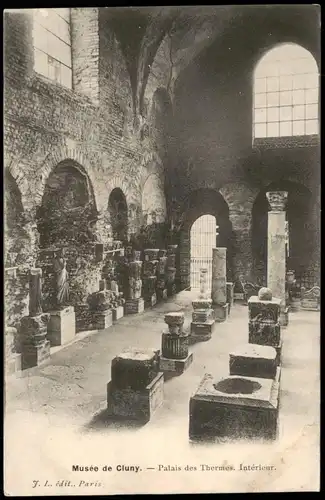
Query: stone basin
237,385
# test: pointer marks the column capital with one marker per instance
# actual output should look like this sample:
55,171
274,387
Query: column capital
277,200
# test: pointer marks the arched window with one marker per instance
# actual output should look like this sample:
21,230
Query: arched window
286,93
52,44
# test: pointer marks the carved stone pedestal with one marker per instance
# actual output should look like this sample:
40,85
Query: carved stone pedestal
264,313
253,360
102,320
134,306
221,312
136,387
62,326
203,321
136,404
118,313
35,355
235,407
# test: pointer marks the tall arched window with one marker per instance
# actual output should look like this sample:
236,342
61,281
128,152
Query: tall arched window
52,44
286,93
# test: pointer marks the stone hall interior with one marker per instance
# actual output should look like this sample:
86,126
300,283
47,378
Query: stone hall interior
162,249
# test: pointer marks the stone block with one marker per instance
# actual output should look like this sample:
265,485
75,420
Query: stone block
221,312
136,404
134,306
102,320
118,313
264,333
35,355
177,366
201,331
134,368
253,360
265,309
62,326
202,315
83,317
235,407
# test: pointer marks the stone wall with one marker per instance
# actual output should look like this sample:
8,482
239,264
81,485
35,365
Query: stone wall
213,123
91,127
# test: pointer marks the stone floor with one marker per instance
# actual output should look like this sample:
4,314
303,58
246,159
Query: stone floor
55,417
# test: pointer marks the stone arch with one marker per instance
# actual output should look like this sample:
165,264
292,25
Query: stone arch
273,45
67,193
301,237
203,202
66,154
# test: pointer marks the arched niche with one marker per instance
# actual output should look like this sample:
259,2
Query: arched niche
298,210
68,213
204,202
118,210
154,207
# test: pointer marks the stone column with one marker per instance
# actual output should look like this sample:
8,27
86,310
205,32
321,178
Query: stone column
219,280
150,265
161,281
135,303
171,269
174,345
33,328
276,252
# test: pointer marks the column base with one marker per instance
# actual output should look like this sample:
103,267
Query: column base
221,312
13,364
177,366
35,355
136,405
62,326
102,320
134,306
118,313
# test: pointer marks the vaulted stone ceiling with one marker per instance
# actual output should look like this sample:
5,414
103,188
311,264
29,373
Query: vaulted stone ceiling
141,32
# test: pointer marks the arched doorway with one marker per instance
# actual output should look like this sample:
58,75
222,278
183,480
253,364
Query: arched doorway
203,239
200,203
118,210
300,233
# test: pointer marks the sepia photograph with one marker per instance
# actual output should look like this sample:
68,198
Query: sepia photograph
161,249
